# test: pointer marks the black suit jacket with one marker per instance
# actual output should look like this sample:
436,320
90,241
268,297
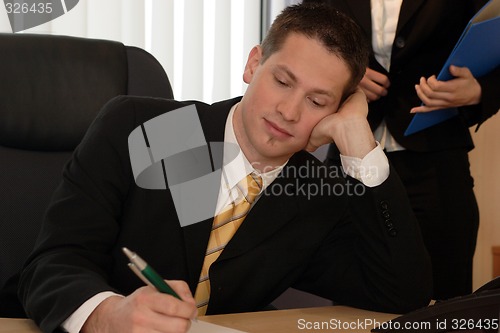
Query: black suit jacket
362,250
426,33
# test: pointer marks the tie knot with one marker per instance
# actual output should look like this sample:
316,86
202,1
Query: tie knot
253,183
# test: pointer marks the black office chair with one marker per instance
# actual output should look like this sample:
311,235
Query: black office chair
51,89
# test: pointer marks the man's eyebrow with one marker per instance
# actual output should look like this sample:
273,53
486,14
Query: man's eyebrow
287,71
294,79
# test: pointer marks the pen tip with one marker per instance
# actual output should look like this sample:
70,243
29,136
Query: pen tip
127,252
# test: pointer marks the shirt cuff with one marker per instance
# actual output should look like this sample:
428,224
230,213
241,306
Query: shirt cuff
372,170
74,323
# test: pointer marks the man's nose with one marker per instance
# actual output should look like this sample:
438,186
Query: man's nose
290,107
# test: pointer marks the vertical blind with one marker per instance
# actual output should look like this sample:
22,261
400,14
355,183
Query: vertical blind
202,44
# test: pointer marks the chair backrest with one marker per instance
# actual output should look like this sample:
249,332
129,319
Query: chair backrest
52,87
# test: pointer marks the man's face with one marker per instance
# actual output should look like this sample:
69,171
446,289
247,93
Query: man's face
287,96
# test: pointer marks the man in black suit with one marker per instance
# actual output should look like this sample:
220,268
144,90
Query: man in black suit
411,41
353,240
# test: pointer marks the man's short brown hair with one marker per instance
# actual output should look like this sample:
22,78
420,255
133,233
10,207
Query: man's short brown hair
338,33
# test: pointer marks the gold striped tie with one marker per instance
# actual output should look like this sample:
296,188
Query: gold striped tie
224,227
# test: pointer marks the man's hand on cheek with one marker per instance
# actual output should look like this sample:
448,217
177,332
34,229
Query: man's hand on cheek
348,128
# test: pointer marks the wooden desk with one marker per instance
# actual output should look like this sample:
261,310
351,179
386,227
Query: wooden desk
8,325
303,320
333,318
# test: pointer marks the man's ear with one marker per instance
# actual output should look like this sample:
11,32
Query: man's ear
253,62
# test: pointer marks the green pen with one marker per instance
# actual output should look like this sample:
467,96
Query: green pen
147,274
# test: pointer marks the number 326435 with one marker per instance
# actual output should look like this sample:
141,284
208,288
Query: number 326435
26,8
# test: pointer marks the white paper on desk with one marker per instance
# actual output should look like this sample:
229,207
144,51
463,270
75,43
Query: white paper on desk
204,327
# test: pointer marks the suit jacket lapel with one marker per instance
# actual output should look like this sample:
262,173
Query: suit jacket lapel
361,11
213,121
408,9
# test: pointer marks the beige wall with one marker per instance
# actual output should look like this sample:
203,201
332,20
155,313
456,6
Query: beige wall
485,168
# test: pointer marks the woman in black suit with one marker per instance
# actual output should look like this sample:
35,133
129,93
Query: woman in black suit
411,41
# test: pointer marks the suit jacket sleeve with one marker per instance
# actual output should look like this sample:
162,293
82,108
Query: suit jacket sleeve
490,102
73,254
375,258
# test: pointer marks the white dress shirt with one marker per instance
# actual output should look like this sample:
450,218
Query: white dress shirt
372,170
385,15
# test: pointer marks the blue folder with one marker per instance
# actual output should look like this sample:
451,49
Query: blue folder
478,49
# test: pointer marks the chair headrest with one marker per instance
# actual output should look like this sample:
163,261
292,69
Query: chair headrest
52,87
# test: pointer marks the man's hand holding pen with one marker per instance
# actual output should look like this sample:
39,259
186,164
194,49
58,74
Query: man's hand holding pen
159,307
145,310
